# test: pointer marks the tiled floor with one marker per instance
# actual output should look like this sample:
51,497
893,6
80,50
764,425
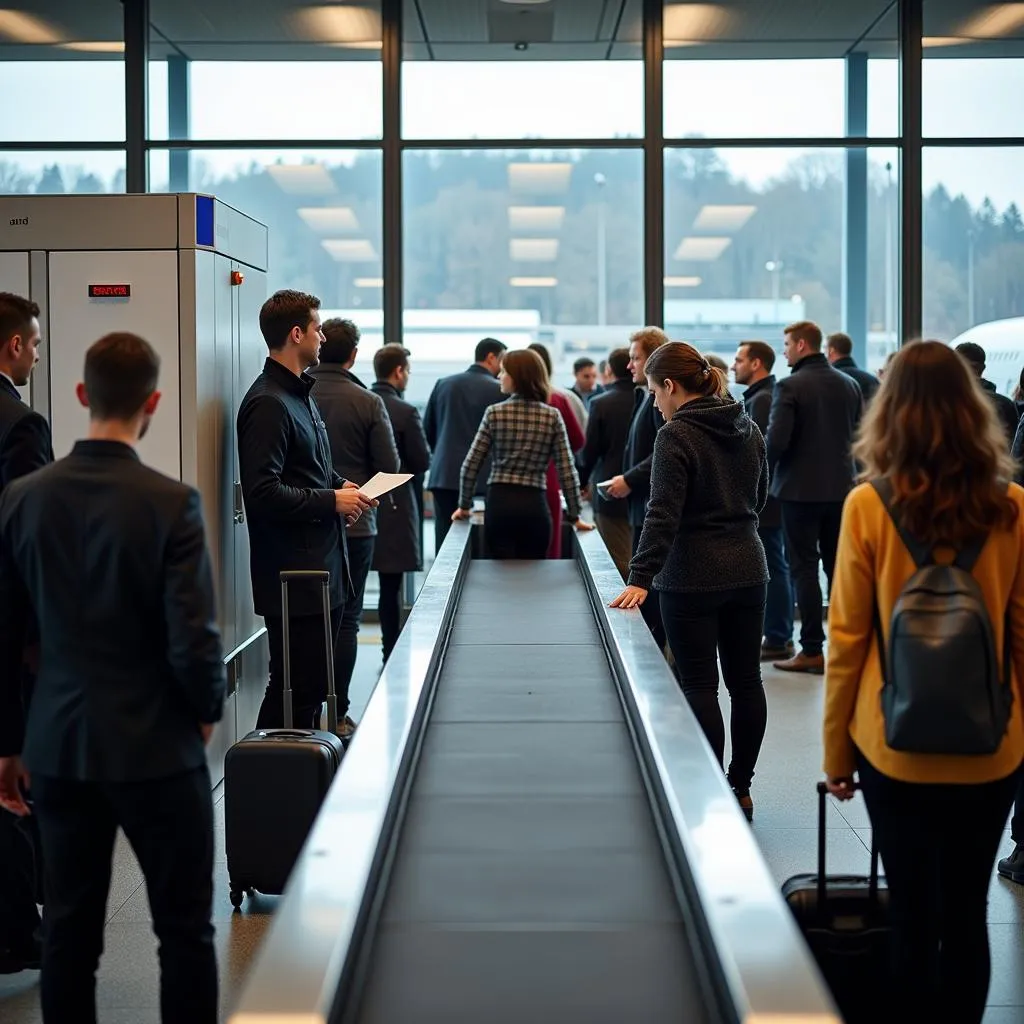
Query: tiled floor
785,824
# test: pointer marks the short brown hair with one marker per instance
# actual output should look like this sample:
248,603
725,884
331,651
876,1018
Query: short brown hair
283,311
121,372
388,359
682,363
341,337
934,433
529,374
15,314
806,330
618,362
841,344
761,351
650,339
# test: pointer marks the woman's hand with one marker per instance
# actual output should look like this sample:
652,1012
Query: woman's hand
460,513
582,526
631,597
841,789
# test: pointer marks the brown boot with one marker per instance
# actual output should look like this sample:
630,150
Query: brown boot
812,663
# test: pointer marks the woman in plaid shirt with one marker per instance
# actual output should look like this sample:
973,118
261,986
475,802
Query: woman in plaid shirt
522,434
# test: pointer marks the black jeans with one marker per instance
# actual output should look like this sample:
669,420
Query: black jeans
1017,821
19,918
309,671
651,608
169,823
812,532
389,609
360,558
446,501
517,523
938,845
726,623
778,609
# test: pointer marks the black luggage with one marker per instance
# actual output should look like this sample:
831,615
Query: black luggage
845,921
276,779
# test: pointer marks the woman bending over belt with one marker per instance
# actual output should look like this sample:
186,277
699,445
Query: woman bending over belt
523,435
700,550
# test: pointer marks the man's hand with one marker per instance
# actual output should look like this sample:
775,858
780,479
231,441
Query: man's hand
631,597
460,513
206,731
618,488
351,503
13,780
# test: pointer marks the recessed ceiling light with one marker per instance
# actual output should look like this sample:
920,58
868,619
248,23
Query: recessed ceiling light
535,218
701,249
330,220
683,282
723,218
369,282
350,250
331,23
533,282
302,179
533,250
696,22
994,21
19,27
539,178
111,46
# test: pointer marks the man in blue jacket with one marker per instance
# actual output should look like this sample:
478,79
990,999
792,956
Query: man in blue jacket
452,417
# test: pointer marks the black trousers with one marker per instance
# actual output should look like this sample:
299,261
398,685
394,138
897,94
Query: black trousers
938,845
360,557
812,533
446,501
1017,821
169,823
651,608
722,624
19,918
389,609
309,671
517,522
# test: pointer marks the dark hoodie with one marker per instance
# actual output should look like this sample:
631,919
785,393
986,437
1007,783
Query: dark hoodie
709,480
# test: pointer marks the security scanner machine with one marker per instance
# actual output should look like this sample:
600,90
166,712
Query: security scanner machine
187,273
530,826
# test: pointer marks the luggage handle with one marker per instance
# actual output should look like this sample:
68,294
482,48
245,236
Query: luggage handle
873,879
324,576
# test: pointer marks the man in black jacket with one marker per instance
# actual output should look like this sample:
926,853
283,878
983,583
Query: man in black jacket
814,415
362,445
111,558
839,350
752,368
454,411
24,447
634,482
975,357
296,506
611,414
400,516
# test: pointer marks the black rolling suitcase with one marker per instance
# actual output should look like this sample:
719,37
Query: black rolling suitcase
845,922
276,779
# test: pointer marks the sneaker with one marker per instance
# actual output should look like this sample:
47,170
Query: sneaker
1012,867
346,728
814,664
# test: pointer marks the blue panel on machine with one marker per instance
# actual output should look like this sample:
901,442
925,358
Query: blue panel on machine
204,220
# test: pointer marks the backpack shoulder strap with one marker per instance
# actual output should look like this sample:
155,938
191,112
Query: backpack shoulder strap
969,554
919,552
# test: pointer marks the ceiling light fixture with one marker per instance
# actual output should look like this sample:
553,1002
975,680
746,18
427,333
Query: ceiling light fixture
701,249
696,22
723,218
683,282
533,282
369,282
535,218
19,27
539,178
331,220
111,46
533,250
330,23
302,179
994,21
350,250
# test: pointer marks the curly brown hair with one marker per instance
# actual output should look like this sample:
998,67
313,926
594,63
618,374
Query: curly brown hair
935,434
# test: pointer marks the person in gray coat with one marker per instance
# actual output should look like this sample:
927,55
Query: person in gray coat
362,445
454,411
400,515
814,416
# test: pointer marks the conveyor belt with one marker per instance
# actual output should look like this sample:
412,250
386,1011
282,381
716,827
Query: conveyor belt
528,872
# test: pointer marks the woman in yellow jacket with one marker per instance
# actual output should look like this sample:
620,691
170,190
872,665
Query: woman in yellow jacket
937,819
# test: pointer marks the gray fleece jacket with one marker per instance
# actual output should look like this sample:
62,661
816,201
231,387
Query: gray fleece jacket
709,481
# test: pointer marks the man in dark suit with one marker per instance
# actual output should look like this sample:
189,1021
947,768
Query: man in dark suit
839,351
585,384
975,357
111,558
453,414
611,414
24,447
814,415
752,368
400,516
362,445
296,506
634,482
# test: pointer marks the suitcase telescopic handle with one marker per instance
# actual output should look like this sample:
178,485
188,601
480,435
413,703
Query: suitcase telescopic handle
873,879
324,577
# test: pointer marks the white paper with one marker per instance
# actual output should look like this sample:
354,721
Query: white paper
384,482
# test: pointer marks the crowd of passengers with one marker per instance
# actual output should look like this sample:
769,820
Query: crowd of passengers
717,512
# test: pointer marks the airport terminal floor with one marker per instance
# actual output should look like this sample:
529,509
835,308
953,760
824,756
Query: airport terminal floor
784,827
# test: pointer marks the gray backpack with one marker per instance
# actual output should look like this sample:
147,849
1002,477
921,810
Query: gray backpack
942,689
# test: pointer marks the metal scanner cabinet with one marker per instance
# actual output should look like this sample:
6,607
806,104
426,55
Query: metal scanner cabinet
188,273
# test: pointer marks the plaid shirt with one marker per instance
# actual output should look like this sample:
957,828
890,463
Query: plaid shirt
525,437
